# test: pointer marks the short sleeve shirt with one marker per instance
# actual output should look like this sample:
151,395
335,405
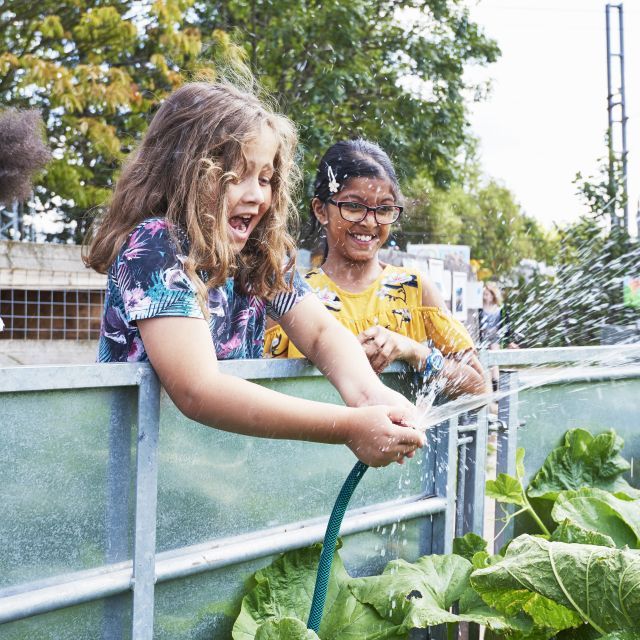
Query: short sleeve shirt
148,280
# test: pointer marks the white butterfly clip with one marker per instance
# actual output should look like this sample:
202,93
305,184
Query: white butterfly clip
333,183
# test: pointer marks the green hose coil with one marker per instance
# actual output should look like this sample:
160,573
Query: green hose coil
329,545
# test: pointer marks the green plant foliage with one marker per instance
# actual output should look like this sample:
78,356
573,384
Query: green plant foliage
389,70
602,513
285,588
484,216
285,629
597,585
571,584
506,488
419,595
469,545
583,460
388,606
568,531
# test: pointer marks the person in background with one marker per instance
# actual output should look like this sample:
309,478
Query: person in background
196,250
495,329
396,313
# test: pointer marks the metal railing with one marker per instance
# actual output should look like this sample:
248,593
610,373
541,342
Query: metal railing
452,496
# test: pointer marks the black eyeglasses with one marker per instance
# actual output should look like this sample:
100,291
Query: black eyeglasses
357,211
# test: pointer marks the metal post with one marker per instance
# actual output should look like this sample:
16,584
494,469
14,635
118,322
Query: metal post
146,500
446,463
623,118
507,443
474,473
612,121
117,507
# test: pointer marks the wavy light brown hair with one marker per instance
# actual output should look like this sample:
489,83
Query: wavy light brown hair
191,151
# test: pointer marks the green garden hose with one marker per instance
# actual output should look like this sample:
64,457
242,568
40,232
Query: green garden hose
329,544
434,364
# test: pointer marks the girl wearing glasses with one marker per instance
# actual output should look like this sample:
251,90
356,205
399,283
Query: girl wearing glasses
396,313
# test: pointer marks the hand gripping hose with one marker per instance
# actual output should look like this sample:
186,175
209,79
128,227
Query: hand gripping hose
329,544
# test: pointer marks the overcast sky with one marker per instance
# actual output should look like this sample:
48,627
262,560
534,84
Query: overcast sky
546,117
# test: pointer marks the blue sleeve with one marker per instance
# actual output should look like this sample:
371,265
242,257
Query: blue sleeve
150,275
286,300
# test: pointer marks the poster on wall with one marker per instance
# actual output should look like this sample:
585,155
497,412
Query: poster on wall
459,295
631,291
436,273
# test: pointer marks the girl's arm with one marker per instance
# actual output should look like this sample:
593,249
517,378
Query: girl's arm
337,353
182,353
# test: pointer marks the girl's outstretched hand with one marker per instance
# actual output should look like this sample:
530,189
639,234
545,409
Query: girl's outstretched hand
381,434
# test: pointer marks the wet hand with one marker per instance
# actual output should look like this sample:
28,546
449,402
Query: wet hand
380,435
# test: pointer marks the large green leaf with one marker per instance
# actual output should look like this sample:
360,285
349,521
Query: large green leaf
284,590
600,512
599,584
285,629
583,460
568,531
422,594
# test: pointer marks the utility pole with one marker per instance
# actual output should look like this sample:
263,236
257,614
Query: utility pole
617,113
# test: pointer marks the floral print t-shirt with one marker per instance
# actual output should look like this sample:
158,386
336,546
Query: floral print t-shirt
147,280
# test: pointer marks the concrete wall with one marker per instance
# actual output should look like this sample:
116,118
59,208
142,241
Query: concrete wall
30,352
29,265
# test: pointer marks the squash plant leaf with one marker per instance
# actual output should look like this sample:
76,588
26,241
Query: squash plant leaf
600,512
285,629
583,460
284,589
505,488
468,545
422,594
568,531
598,585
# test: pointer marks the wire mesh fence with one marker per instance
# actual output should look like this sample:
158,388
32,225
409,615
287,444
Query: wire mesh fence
38,314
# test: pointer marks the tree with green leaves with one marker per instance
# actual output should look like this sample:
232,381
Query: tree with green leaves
389,70
484,216
95,69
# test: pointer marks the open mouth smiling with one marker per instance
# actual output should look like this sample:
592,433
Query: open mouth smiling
240,223
363,237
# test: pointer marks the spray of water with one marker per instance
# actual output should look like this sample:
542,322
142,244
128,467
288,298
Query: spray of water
618,359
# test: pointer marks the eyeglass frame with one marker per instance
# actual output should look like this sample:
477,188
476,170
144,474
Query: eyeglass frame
367,209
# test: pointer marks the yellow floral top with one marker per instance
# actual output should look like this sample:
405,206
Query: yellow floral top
393,300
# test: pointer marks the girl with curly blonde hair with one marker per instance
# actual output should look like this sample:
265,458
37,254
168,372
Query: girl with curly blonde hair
196,251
